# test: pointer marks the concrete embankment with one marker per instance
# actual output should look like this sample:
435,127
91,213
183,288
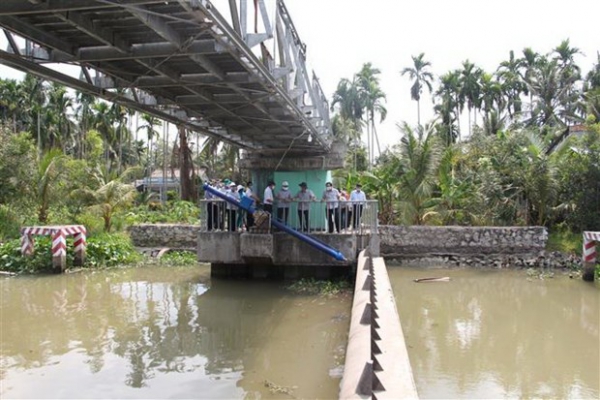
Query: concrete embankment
497,247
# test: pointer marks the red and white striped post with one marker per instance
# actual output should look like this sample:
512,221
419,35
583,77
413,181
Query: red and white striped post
79,244
59,242
589,254
27,245
59,250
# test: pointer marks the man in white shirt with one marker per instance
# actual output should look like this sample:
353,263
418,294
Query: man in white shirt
331,195
358,199
268,198
304,197
284,198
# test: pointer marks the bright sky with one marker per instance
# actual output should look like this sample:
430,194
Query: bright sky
342,35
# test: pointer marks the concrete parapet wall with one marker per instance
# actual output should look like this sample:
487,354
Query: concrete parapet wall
219,247
423,241
165,235
279,248
236,248
288,250
377,363
358,351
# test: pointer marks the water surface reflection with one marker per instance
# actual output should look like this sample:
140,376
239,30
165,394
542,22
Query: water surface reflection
500,334
166,333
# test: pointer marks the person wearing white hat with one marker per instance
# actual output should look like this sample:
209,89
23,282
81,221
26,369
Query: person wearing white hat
284,198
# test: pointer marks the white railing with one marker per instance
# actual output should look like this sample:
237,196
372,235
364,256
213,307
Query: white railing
344,217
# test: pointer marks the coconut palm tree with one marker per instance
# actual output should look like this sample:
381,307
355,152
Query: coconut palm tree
48,173
109,193
539,180
570,74
453,193
549,96
421,77
348,103
419,157
592,80
149,124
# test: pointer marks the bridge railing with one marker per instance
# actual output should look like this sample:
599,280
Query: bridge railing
344,217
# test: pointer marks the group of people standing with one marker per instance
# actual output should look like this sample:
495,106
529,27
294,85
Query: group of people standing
343,209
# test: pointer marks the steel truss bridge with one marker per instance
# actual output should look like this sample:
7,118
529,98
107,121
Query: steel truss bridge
239,75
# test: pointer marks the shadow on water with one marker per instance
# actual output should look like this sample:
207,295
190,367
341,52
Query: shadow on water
165,333
499,334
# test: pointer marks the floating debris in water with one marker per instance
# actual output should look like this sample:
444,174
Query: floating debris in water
441,279
275,388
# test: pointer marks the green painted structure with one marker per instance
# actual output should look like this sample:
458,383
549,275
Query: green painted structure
315,179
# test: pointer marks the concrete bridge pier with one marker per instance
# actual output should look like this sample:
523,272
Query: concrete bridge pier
294,166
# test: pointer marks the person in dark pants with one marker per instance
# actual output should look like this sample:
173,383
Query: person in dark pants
304,197
284,197
212,211
358,199
332,196
269,198
231,209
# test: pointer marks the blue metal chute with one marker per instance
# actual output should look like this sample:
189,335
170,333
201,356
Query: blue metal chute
246,204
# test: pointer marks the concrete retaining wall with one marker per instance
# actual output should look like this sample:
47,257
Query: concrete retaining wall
417,245
178,236
279,248
423,241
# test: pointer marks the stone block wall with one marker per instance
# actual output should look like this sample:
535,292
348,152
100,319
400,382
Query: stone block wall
424,241
175,236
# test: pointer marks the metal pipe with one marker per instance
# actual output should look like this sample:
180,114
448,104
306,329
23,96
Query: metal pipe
298,235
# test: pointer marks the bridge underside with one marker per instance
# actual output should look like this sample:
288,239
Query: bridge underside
181,61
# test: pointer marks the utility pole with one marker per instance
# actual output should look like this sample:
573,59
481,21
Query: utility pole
163,192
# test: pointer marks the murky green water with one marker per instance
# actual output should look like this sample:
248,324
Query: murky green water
162,332
500,334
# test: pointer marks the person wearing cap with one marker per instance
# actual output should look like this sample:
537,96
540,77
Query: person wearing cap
358,199
250,194
284,198
345,209
232,209
331,196
269,198
304,197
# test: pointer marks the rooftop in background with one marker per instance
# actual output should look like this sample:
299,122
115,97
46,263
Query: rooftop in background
183,61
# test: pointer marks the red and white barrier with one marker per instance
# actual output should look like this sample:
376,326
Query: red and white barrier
59,235
589,246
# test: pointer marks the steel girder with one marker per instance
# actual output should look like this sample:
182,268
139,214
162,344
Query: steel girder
181,61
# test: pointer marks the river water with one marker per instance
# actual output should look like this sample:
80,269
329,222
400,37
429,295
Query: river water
500,334
166,332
